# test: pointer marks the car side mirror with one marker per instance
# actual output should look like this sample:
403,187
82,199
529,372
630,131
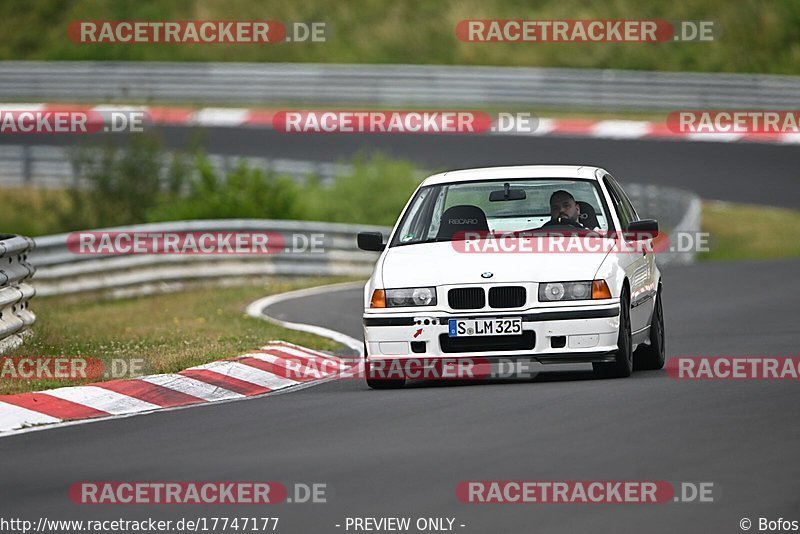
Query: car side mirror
372,241
644,229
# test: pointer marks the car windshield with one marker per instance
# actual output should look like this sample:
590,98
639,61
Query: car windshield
440,212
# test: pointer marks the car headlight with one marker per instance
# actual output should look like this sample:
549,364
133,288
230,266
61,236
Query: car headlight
560,291
412,296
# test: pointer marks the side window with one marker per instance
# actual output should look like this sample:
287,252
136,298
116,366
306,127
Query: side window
418,218
624,215
626,202
436,216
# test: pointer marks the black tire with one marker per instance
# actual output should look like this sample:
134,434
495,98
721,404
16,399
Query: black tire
623,364
652,357
380,383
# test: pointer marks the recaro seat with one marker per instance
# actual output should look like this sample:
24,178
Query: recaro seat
462,218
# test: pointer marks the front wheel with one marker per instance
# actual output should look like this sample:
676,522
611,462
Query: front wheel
652,357
622,365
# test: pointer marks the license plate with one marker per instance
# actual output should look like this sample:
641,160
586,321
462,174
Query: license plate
509,326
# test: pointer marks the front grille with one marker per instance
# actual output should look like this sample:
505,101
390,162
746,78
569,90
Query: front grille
466,298
525,341
507,297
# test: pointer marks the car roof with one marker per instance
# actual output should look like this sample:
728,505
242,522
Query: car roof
516,172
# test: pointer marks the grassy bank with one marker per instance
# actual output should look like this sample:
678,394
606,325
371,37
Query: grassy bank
747,232
753,35
168,333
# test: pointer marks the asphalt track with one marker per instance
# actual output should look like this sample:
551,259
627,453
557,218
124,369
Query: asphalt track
401,453
738,172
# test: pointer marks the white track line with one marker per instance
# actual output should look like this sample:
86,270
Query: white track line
713,137
257,309
105,107
220,116
617,129
22,107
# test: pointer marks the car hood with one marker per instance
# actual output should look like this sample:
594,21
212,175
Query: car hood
433,264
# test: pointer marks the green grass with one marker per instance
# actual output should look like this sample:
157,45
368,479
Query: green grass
170,332
748,232
33,211
754,35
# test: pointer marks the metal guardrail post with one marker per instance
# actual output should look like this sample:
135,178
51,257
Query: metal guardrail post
27,163
15,292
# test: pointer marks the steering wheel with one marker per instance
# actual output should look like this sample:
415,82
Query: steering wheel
561,222
564,221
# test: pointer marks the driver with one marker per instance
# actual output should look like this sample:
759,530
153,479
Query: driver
564,210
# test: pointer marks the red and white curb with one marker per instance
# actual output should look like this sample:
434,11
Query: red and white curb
260,372
547,127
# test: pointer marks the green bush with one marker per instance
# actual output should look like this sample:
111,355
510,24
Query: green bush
374,192
121,186
242,193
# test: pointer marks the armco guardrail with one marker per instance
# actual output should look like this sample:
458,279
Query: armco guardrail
678,212
391,85
15,292
51,167
61,271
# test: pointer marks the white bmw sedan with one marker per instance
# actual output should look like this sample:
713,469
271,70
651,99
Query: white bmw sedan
542,264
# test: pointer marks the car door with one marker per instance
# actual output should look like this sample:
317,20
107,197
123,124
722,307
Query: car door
638,260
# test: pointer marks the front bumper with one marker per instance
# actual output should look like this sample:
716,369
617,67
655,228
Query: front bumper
575,334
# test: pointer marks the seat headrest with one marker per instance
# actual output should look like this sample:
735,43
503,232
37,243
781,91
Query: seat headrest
462,218
588,216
